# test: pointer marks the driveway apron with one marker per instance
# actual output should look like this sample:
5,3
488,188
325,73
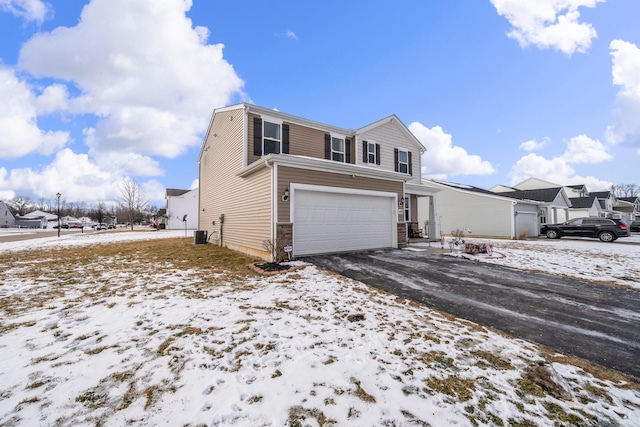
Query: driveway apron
594,322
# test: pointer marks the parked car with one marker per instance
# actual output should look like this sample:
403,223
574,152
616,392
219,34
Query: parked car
111,227
605,229
65,226
635,226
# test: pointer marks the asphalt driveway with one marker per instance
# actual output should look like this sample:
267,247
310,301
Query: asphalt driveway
598,323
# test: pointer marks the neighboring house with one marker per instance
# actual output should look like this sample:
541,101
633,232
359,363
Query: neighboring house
485,213
71,221
628,208
182,209
554,203
7,220
584,207
269,178
607,200
51,219
32,222
86,222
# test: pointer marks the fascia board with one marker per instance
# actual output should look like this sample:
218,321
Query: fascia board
323,166
393,119
298,120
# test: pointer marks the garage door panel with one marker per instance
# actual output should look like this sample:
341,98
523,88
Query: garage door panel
325,222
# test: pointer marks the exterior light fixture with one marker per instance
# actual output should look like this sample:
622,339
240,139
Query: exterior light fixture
285,196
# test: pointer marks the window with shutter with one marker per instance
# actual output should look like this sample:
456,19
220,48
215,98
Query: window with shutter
402,164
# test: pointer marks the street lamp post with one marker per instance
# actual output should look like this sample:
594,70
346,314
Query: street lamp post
58,196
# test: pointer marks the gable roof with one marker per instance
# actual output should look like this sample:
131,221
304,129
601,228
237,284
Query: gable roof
633,199
38,214
394,120
582,202
542,194
471,189
173,192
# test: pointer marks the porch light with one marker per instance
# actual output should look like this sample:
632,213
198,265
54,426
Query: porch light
285,196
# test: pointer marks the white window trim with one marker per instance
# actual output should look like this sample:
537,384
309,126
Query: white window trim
406,152
275,122
407,208
369,144
344,147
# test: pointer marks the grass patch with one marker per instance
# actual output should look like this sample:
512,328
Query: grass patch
298,414
453,385
493,360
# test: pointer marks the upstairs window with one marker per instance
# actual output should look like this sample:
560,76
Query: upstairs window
403,161
270,136
337,149
272,139
370,152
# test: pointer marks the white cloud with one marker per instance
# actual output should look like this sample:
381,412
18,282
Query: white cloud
582,149
626,74
29,10
142,68
19,132
194,184
548,23
78,178
534,145
442,158
292,35
553,170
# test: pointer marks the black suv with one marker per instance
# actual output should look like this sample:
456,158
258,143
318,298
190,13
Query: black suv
635,227
605,229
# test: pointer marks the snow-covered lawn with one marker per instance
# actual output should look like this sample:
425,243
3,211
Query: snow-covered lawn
135,341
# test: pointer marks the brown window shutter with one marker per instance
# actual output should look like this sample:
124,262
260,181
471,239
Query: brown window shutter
327,146
365,152
347,150
285,139
409,158
377,154
257,136
395,159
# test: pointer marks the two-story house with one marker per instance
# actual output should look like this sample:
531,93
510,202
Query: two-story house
269,177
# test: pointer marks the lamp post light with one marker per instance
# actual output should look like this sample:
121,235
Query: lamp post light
58,196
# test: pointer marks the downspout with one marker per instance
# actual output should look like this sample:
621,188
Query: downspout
273,201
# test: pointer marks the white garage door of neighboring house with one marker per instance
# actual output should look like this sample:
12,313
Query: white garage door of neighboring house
326,221
527,222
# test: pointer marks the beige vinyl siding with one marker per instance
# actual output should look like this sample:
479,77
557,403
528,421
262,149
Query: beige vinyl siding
287,175
485,216
245,202
303,141
389,137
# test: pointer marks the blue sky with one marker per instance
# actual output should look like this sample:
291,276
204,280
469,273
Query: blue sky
95,91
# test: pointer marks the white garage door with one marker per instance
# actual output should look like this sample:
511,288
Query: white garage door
327,221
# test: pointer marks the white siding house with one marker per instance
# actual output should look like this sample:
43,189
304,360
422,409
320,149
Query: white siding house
182,209
7,220
483,212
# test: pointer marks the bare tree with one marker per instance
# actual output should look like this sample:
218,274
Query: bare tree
99,212
131,200
21,204
625,190
43,204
